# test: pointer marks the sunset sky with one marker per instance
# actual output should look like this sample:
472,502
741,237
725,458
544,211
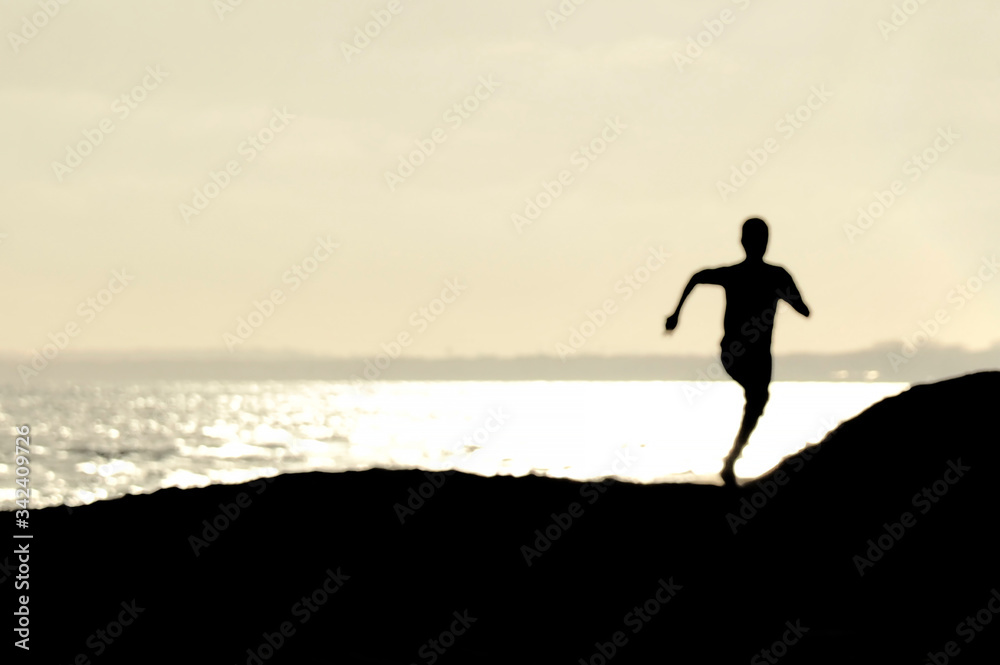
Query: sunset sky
615,122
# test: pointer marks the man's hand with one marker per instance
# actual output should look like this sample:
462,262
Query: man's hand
671,322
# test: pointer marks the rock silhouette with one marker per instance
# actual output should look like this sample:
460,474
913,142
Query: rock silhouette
318,568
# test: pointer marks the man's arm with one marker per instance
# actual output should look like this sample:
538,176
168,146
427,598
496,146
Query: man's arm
706,276
792,296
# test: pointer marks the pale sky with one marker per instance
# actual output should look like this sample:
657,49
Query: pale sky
545,89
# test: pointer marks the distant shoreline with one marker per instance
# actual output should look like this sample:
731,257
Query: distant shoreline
930,364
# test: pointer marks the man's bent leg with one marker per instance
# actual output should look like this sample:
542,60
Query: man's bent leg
756,399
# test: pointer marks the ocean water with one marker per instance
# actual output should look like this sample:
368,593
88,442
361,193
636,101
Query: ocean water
97,442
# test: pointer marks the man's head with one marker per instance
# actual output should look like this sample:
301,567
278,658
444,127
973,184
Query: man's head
754,238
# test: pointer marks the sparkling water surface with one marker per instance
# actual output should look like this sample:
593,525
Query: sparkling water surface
103,441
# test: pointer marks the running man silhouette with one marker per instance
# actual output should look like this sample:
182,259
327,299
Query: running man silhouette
753,289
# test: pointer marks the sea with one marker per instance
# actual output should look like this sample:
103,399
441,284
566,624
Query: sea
101,441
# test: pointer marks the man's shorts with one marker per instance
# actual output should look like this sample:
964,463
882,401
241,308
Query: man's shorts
752,369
